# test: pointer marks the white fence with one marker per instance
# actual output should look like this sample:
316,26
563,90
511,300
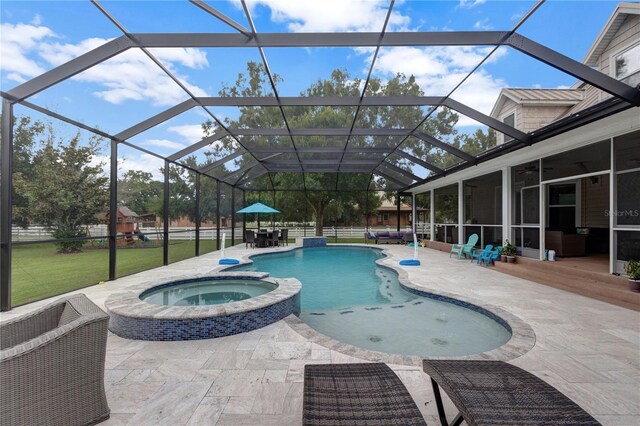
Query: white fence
39,233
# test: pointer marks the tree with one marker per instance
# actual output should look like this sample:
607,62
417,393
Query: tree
25,141
66,192
320,193
140,192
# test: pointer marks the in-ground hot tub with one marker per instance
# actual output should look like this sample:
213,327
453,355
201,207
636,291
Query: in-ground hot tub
205,307
206,291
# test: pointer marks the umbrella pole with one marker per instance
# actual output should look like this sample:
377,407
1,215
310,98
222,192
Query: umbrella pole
258,216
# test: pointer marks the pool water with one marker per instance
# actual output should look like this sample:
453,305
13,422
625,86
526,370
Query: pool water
347,296
207,292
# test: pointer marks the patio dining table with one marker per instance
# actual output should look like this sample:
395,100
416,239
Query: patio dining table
262,238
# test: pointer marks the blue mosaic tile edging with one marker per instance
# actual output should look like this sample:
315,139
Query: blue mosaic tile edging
314,242
203,328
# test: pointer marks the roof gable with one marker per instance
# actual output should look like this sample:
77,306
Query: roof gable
554,97
609,31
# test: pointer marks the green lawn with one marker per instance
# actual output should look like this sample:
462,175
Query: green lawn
38,271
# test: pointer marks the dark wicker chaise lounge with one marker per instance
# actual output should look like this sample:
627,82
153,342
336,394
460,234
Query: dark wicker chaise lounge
52,365
497,393
356,394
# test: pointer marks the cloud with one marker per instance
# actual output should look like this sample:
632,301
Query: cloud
15,44
191,133
143,162
332,15
29,50
438,70
164,143
483,24
468,4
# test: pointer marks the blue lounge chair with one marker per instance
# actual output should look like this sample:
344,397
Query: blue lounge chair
465,249
480,255
491,257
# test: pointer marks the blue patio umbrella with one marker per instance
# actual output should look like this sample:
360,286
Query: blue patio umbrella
258,208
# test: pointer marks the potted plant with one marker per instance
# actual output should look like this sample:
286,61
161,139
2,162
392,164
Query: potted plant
509,251
632,268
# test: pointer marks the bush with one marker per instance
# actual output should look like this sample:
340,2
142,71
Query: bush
68,246
632,268
508,249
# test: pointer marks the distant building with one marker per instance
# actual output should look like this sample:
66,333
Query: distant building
387,215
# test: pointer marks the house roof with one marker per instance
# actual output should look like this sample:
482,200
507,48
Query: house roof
609,31
127,212
558,97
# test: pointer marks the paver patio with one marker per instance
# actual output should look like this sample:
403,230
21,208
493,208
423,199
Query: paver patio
587,349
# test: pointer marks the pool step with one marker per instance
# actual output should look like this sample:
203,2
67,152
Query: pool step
601,286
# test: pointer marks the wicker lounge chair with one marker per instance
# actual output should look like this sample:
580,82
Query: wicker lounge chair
497,393
356,394
52,365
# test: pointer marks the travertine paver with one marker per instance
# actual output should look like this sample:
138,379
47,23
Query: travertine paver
587,349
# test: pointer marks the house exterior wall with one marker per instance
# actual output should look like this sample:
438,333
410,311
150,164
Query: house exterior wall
627,36
509,107
595,202
535,117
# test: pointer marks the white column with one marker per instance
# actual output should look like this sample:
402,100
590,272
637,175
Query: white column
432,215
543,211
413,212
460,212
506,203
613,204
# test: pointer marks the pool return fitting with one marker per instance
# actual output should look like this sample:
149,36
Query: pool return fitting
223,260
414,261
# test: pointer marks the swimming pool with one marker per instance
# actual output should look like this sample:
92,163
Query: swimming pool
347,296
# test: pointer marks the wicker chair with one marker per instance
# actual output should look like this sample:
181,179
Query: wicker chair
52,365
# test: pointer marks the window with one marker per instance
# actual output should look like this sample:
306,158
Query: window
627,62
510,119
385,216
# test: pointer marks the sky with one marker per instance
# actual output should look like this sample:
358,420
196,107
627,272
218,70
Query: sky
38,36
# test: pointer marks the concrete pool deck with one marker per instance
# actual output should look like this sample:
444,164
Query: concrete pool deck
587,349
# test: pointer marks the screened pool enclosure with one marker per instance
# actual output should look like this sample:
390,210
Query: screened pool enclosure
375,141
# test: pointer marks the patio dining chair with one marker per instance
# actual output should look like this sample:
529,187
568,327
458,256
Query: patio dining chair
250,239
480,255
272,239
284,237
465,249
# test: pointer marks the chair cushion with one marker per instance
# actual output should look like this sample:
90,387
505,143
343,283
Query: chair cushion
394,234
383,234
